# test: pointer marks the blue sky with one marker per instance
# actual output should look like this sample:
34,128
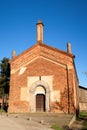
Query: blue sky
64,21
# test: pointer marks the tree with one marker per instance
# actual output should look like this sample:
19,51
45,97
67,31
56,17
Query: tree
4,81
4,77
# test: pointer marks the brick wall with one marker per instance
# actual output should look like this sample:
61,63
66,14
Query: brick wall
42,60
83,98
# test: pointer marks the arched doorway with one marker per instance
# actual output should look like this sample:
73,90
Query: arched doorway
39,90
40,102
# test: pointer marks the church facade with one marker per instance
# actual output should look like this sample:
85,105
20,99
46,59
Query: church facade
43,79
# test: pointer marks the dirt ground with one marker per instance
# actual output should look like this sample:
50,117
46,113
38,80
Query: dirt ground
14,122
37,121
33,121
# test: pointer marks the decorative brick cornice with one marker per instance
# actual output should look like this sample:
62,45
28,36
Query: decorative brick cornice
40,44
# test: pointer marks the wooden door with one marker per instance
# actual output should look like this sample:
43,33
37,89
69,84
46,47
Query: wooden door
40,102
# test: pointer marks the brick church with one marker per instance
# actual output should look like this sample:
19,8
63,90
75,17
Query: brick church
43,79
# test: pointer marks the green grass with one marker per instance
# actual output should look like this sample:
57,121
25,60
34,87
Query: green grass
2,111
83,114
83,117
56,127
85,125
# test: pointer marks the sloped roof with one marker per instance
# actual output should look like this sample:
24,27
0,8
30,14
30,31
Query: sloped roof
46,46
81,87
